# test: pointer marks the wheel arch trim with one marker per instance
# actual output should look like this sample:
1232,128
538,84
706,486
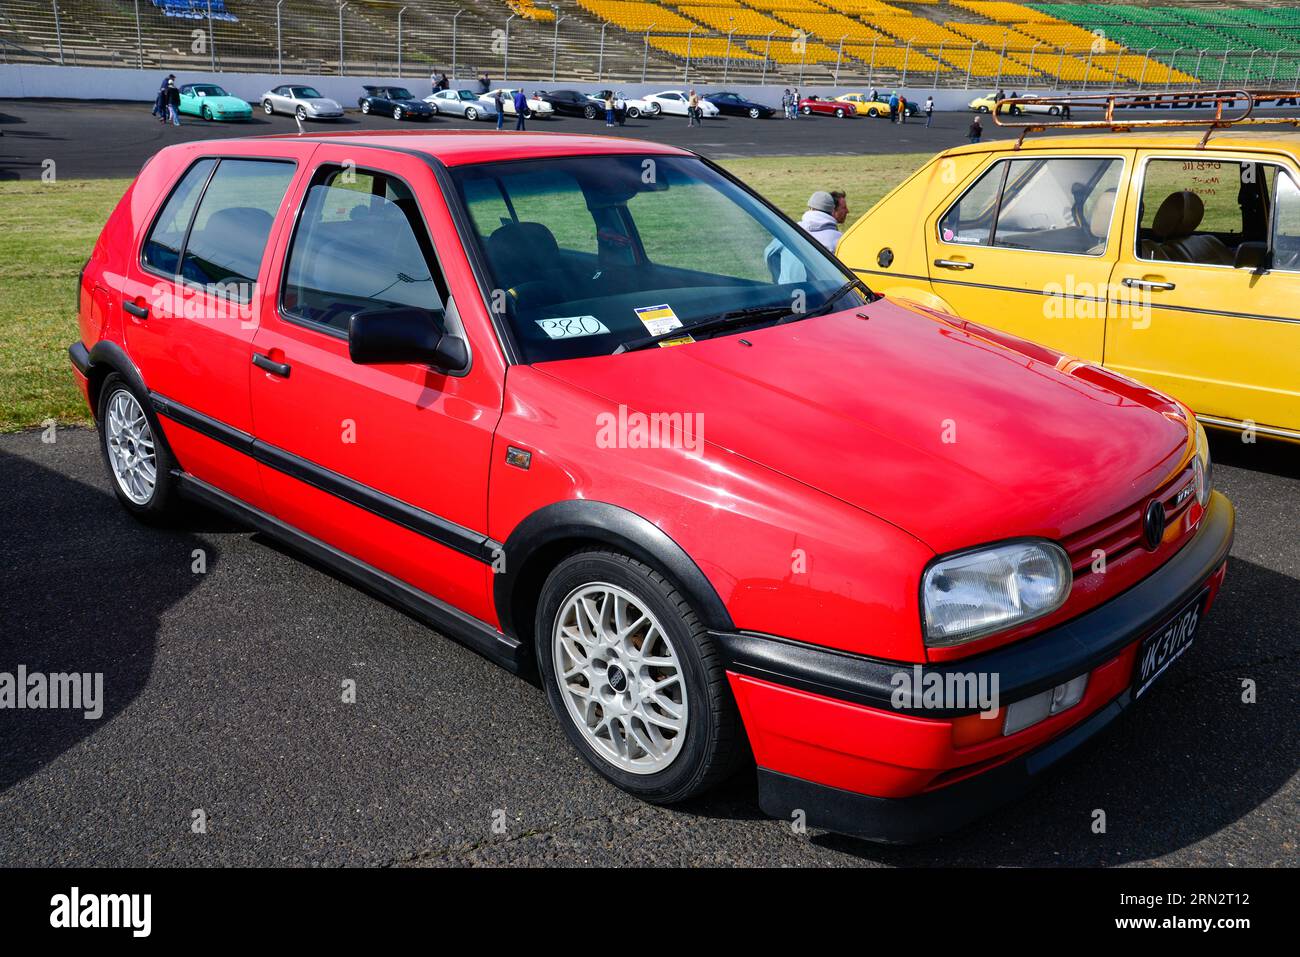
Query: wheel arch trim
576,521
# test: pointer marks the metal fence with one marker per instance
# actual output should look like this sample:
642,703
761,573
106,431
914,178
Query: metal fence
412,40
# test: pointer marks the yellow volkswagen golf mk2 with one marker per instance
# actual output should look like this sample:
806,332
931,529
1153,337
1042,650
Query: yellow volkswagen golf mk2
1143,251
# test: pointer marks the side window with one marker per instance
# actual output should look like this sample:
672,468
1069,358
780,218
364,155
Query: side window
360,244
1062,205
1286,224
1198,210
162,248
970,220
232,224
1055,204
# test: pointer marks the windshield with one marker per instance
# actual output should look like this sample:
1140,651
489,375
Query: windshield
306,93
466,95
209,90
399,93
588,253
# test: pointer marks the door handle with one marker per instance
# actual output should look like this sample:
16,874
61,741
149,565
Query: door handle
954,264
140,312
270,365
1147,284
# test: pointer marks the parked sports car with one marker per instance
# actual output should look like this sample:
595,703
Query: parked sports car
810,105
213,103
571,103
673,103
536,107
866,106
305,102
395,101
634,106
733,104
984,104
461,103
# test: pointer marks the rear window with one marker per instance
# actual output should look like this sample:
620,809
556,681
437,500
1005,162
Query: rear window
213,229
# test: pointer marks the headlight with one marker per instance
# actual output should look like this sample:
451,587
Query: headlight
1202,467
991,589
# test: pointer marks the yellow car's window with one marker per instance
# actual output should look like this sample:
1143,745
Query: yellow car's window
1286,229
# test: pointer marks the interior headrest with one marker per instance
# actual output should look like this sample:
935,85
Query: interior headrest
524,242
1099,221
1178,215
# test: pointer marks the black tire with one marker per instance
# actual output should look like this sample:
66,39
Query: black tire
983,109
715,745
365,106
873,113
471,114
267,108
205,113
633,112
398,114
755,112
806,110
839,113
589,112
163,505
301,113
1053,111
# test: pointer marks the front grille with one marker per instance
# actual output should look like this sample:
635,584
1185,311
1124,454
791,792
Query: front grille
1121,533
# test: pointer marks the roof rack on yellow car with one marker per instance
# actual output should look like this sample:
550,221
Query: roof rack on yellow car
1231,108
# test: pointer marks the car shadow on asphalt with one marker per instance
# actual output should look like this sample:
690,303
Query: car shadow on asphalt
83,589
1263,455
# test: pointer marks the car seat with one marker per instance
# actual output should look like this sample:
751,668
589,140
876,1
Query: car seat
1174,228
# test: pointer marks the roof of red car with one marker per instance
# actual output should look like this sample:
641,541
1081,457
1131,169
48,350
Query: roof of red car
463,147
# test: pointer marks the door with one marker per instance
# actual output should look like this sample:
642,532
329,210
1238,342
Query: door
1029,246
388,463
1219,330
191,304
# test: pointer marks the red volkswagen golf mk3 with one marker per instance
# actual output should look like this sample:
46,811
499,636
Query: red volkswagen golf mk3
592,407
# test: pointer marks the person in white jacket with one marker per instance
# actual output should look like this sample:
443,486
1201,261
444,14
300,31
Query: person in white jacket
819,220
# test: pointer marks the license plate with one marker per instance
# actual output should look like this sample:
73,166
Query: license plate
1163,646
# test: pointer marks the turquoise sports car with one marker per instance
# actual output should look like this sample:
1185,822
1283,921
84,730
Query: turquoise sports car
213,103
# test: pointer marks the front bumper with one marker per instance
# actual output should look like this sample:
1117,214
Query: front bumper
831,741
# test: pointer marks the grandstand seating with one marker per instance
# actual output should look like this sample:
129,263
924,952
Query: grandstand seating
958,42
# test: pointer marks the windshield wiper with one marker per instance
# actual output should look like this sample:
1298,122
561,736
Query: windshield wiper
737,317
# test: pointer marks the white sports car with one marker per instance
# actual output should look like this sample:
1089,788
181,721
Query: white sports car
633,106
535,106
301,101
674,102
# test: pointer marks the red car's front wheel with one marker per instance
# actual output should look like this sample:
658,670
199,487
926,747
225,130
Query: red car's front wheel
634,679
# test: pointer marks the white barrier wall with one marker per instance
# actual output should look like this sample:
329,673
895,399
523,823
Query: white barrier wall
101,83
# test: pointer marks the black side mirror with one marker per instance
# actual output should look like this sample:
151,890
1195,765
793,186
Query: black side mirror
1253,256
404,334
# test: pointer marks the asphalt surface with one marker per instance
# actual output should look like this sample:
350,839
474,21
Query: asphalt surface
105,140
223,693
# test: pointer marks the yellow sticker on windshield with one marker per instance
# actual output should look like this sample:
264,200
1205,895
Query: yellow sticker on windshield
659,320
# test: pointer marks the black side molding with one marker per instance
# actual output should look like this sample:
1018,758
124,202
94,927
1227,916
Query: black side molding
80,357
466,629
466,541
1024,668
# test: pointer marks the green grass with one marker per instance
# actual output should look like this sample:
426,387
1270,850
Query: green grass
47,231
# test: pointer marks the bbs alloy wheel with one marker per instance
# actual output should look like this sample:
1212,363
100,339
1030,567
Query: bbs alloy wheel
138,461
267,108
634,679
620,678
471,114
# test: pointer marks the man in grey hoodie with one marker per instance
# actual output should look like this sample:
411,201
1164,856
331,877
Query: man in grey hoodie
819,219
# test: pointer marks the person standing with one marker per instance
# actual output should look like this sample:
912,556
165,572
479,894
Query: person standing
902,108
160,100
893,107
173,102
794,103
929,111
609,109
499,102
484,84
520,103
693,109
785,103
976,130
819,221
620,110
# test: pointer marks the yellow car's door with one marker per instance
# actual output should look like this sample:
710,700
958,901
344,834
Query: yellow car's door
1207,323
1030,244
